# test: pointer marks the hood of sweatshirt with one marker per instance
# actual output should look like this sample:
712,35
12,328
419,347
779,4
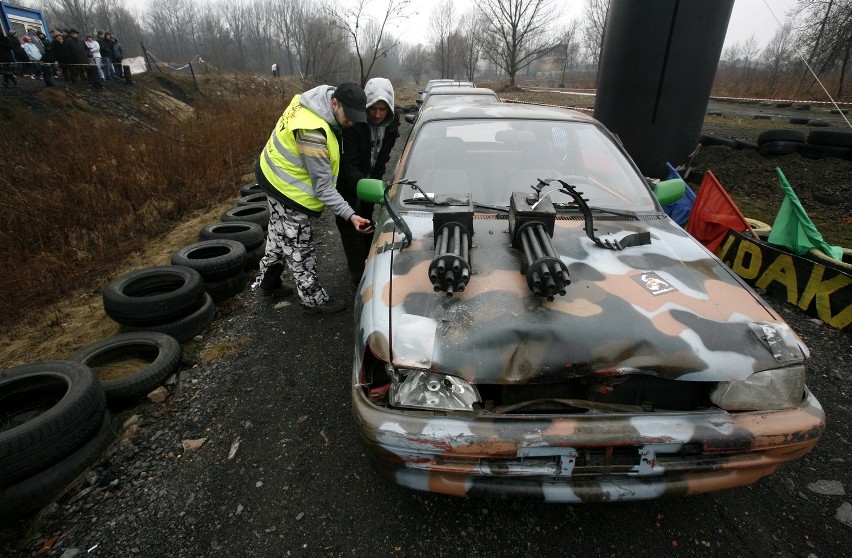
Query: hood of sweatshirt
380,89
318,100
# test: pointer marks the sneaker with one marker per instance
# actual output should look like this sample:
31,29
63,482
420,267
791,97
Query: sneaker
330,307
271,283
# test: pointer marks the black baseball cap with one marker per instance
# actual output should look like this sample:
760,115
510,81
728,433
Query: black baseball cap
353,99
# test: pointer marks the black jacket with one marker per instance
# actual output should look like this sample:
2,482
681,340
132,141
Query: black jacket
355,160
78,49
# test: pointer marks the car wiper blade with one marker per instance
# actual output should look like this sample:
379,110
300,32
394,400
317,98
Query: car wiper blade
491,207
430,202
575,207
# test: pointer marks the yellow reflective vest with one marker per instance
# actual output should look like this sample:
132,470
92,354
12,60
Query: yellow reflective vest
281,163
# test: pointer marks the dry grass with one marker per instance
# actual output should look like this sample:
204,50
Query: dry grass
223,349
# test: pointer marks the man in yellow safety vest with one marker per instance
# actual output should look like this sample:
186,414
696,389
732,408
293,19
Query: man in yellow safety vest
298,170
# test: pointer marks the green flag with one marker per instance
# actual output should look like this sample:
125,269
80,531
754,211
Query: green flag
793,228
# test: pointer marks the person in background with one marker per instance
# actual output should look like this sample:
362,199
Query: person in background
78,54
94,54
298,170
62,54
22,61
366,150
34,55
106,54
117,56
36,40
7,62
275,70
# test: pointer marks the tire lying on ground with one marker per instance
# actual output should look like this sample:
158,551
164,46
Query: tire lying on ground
153,295
213,259
254,256
256,213
184,328
252,198
774,148
49,409
816,151
37,491
131,365
247,233
830,138
759,228
707,139
250,188
786,135
223,289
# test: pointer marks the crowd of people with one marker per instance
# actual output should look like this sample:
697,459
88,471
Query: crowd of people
35,55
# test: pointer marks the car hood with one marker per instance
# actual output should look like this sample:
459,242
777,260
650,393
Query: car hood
668,308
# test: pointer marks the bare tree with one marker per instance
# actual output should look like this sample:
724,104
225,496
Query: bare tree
414,60
595,13
441,24
824,30
518,32
731,56
750,51
471,30
569,44
367,32
777,56
77,13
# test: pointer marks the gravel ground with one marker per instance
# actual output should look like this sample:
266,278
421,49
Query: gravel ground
279,471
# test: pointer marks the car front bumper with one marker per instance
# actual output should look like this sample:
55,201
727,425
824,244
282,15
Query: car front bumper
586,458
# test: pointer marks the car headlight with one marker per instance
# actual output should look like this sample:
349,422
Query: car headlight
421,389
781,388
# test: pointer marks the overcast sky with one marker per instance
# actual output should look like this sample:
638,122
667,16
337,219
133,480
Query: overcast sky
749,17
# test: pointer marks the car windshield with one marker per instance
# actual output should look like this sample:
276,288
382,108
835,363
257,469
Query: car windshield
491,158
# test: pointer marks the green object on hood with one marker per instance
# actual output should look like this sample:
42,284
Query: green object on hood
793,229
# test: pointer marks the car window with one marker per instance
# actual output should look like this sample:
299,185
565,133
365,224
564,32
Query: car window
490,159
459,99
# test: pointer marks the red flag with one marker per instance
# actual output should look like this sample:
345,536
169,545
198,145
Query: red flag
713,214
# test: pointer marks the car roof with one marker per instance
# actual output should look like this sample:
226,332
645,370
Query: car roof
462,91
500,110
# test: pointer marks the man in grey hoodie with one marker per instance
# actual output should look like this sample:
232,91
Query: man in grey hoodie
366,150
298,170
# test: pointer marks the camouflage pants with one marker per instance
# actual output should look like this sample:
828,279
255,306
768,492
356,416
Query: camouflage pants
290,239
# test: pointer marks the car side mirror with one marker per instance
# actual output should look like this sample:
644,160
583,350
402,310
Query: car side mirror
666,191
410,118
371,190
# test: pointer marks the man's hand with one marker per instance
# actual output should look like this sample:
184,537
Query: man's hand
361,225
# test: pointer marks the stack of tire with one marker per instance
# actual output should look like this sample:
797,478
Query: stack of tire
166,299
55,426
56,413
252,206
772,143
817,144
245,223
221,264
827,143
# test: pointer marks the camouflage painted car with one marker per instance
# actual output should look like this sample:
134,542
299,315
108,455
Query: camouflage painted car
531,323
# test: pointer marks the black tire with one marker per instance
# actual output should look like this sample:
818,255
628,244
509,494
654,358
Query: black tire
115,355
774,148
825,199
153,295
830,138
250,188
213,259
787,135
252,198
742,144
822,151
183,329
803,107
247,233
49,409
707,139
37,491
256,213
844,265
819,123
799,120
254,256
223,289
